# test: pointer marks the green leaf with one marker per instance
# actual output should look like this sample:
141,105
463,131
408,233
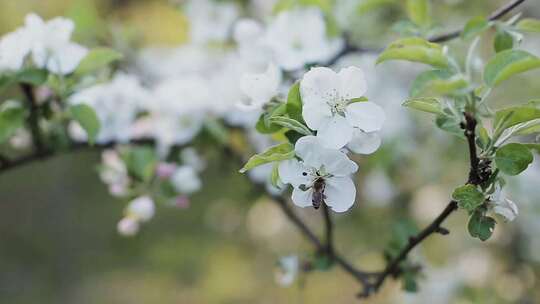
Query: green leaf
274,178
437,82
87,118
512,116
12,116
468,197
141,162
474,27
32,76
264,125
419,12
481,226
429,105
323,262
369,5
294,103
276,153
512,159
409,282
503,41
291,124
217,130
507,64
416,50
533,147
449,124
97,59
529,25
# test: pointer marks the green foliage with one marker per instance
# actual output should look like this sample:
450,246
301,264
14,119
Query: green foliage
512,116
217,130
294,103
367,6
291,124
409,281
533,147
514,158
264,125
283,5
323,262
401,232
33,76
450,124
12,116
481,226
419,12
274,177
438,82
475,27
96,59
468,197
503,41
276,153
87,118
416,50
429,105
507,64
141,162
529,25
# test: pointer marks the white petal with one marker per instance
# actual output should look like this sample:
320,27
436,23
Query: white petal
337,163
247,31
308,148
260,88
66,59
507,209
340,193
367,116
316,115
302,198
291,172
185,180
142,208
352,83
364,143
319,86
336,133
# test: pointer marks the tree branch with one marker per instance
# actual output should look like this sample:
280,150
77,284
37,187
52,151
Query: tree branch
329,230
33,118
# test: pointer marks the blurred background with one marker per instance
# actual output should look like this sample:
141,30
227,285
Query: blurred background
58,239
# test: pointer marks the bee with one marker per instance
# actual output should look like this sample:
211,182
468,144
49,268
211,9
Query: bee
318,193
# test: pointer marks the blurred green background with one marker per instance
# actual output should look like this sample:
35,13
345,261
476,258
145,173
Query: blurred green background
58,240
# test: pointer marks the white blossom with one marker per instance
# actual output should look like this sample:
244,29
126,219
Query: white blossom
298,37
191,157
319,166
142,208
289,267
260,88
128,226
210,21
185,180
331,109
14,48
114,173
502,205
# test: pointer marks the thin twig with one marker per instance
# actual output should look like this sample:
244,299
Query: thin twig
33,118
329,230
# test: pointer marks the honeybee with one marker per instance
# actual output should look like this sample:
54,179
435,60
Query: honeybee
318,193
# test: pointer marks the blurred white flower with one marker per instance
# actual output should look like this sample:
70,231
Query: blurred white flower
116,104
141,208
260,88
114,173
298,37
210,21
288,269
190,157
14,48
329,108
128,226
185,180
502,205
322,176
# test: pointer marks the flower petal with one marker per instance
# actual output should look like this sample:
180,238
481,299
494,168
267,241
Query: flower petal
337,163
308,148
316,115
506,208
364,143
319,86
367,116
291,172
352,83
302,198
260,88
336,133
340,193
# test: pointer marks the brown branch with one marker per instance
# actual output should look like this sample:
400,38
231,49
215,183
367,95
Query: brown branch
33,118
329,230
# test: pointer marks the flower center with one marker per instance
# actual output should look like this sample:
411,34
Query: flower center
338,105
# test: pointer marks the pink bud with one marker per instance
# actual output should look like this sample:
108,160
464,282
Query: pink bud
165,170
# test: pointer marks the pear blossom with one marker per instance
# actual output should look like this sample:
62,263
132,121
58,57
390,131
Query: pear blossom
185,180
321,174
330,108
14,48
260,88
502,205
141,208
298,37
190,157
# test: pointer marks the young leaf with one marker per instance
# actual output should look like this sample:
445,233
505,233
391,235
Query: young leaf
290,123
294,103
369,5
481,226
141,162
429,105
474,27
276,153
12,116
507,64
512,159
468,197
87,118
437,82
33,76
274,178
529,25
533,147
503,41
416,50
419,12
97,59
